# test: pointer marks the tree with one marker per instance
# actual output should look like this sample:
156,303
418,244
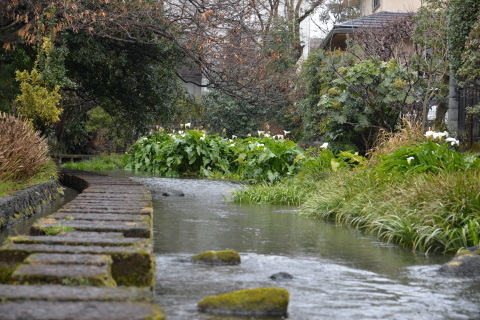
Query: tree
462,15
225,38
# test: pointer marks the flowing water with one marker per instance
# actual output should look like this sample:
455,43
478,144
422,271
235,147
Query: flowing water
338,273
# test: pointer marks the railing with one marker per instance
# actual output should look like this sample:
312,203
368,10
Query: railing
469,97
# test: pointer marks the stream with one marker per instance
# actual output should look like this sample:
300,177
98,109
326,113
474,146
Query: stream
338,273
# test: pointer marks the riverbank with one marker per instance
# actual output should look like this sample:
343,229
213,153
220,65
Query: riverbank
91,259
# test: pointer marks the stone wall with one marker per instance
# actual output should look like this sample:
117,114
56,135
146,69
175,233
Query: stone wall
27,202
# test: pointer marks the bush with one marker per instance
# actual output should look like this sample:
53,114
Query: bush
22,151
196,153
235,116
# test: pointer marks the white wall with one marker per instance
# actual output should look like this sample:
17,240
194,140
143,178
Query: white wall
391,5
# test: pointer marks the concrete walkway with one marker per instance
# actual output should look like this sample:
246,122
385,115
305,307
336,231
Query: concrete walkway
93,259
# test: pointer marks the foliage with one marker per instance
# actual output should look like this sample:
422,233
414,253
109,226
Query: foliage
332,12
359,99
430,59
399,210
36,100
411,133
48,172
461,17
316,75
22,151
11,61
470,68
40,98
427,157
315,166
196,153
235,116
99,163
133,88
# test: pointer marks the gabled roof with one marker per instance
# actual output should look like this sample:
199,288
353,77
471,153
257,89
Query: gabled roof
337,36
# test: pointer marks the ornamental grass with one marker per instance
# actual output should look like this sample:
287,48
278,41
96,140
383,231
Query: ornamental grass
23,151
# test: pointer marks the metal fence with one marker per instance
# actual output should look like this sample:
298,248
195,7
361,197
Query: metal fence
469,97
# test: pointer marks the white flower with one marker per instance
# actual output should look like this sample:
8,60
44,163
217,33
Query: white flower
180,132
409,159
267,135
260,145
187,125
429,133
234,136
280,136
452,141
232,144
324,146
249,135
260,132
202,138
286,132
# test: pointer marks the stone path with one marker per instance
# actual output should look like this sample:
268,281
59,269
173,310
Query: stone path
93,259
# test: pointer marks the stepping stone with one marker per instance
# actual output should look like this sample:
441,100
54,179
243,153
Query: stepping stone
68,293
132,229
132,265
89,310
66,269
137,211
99,216
93,238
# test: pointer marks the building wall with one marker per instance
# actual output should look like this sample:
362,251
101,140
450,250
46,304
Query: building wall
390,5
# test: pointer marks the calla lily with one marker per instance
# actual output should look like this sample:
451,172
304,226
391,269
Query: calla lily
187,125
324,146
409,159
452,141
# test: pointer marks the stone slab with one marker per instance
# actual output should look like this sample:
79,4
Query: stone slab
79,234
70,293
93,240
129,229
132,265
90,310
141,211
65,258
99,216
66,274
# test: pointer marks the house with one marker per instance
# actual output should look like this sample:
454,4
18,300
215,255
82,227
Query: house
375,14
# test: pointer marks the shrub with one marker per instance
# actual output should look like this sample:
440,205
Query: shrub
196,153
22,151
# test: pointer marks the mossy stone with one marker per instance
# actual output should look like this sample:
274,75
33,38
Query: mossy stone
465,264
248,302
225,257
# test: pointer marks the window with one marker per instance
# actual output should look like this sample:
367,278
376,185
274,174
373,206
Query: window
375,5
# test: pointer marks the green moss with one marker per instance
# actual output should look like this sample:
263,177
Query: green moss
9,260
134,269
225,257
54,230
252,302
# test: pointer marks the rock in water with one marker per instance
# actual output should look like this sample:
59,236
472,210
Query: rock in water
225,257
281,276
465,264
248,302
